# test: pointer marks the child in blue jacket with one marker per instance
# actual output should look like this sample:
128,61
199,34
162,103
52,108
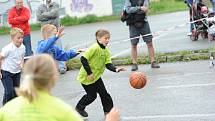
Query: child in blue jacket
47,45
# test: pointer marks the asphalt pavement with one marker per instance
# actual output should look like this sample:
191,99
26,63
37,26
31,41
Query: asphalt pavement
181,91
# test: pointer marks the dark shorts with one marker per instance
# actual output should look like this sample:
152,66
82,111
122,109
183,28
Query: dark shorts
136,31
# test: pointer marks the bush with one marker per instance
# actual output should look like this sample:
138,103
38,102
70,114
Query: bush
167,6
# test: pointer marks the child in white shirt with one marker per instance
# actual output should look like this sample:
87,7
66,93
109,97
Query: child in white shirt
11,62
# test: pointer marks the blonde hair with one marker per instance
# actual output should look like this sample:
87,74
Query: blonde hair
102,32
47,30
40,73
15,31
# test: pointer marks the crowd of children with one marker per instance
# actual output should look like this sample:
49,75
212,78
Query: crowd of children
40,73
35,102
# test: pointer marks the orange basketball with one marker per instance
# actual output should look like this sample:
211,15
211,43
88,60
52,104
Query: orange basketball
138,80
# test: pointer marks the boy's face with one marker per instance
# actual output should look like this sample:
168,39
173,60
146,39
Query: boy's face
17,39
54,31
104,40
50,32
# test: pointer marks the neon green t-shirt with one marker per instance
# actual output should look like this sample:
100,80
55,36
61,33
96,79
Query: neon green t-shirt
97,59
45,108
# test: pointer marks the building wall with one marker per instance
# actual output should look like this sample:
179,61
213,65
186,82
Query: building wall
117,6
80,8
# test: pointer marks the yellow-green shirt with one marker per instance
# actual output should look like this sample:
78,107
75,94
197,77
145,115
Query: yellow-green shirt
97,59
45,108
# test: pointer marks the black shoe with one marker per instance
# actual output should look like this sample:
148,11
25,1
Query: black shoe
134,67
154,65
82,112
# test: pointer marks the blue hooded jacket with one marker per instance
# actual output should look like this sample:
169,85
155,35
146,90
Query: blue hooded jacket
48,46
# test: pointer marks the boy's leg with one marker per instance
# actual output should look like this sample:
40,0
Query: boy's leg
8,86
134,32
148,39
86,99
106,99
191,24
62,67
16,81
61,64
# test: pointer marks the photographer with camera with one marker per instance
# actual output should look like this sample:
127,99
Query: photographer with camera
138,24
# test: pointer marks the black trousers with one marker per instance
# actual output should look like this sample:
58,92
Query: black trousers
92,90
9,81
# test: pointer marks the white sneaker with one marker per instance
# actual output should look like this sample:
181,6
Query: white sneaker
189,34
63,71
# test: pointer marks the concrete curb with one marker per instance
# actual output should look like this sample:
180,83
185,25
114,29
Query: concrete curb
168,58
161,58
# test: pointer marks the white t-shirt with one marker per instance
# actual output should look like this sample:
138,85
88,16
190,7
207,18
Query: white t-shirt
13,57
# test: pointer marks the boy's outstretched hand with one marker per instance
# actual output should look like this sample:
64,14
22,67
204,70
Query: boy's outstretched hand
80,50
90,77
113,115
59,32
118,69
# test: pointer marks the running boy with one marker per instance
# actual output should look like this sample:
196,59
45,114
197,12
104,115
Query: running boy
11,63
47,45
94,61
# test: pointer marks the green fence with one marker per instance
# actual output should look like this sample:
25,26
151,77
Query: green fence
117,6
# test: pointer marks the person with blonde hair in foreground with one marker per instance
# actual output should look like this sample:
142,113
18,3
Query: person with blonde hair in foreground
35,102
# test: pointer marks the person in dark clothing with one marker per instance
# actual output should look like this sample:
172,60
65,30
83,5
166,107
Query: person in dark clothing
138,25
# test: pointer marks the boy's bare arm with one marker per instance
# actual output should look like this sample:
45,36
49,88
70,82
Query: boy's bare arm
60,32
1,58
118,69
22,63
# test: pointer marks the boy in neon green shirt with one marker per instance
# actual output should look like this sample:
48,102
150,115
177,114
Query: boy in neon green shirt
94,61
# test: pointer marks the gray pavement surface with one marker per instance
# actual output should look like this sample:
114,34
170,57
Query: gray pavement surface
182,91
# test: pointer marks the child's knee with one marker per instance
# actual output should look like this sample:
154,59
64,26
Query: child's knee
92,97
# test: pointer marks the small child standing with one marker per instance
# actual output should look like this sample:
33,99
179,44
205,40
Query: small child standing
11,63
47,45
94,61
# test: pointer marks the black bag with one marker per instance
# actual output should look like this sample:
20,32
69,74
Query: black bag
139,24
123,16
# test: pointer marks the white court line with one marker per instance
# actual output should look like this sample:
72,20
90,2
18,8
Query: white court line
187,86
129,49
184,75
167,116
85,44
115,42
